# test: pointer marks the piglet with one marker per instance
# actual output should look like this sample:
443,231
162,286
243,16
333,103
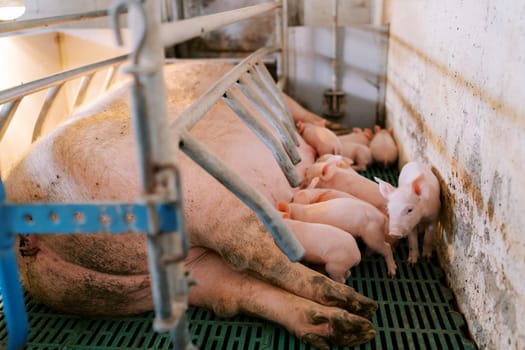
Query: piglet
383,147
358,135
315,195
360,154
327,245
413,207
322,139
332,176
357,217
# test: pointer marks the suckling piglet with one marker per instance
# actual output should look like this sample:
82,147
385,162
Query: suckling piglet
360,154
315,195
322,139
358,135
352,215
383,147
327,245
413,207
331,175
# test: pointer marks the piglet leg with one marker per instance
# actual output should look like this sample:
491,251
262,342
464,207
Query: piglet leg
228,292
428,240
413,249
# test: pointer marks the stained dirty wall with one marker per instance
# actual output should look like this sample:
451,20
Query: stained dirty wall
456,99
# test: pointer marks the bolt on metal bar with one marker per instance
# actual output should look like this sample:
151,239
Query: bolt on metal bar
266,137
48,102
286,139
269,216
176,32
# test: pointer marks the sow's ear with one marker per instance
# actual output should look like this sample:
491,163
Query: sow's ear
384,187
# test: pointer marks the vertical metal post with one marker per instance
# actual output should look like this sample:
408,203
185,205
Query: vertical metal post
333,98
281,35
158,175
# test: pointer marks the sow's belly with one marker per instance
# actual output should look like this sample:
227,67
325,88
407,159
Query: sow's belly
94,158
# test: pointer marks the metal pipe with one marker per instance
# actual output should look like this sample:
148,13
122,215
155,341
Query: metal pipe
266,77
273,118
82,89
110,78
294,179
6,115
282,64
44,83
48,102
251,197
157,155
335,78
272,101
15,26
176,32
196,111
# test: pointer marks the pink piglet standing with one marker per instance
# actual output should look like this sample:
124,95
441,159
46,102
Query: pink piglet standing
413,207
327,245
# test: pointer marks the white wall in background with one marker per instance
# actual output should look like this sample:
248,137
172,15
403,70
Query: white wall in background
455,98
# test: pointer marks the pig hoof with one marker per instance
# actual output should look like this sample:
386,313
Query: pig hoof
427,255
362,306
346,330
412,261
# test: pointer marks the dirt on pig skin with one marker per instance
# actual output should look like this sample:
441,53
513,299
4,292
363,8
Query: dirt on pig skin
233,258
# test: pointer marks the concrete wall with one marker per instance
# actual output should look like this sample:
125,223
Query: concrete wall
455,98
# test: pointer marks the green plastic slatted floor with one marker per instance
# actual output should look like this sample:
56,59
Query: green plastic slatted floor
416,311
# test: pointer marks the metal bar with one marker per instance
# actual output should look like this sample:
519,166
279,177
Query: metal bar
110,78
71,218
251,197
44,83
82,89
48,102
294,179
272,101
176,32
196,111
156,154
12,299
15,26
284,135
266,77
6,115
281,33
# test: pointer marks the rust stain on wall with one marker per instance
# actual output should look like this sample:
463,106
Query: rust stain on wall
515,116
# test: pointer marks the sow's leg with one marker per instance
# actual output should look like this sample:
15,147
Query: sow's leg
228,292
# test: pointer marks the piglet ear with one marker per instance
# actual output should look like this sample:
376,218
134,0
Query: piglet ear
416,184
384,187
328,171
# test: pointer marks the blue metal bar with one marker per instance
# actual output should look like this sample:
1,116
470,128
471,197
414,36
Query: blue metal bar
51,218
47,218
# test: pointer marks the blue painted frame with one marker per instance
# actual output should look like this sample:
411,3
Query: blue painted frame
66,218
